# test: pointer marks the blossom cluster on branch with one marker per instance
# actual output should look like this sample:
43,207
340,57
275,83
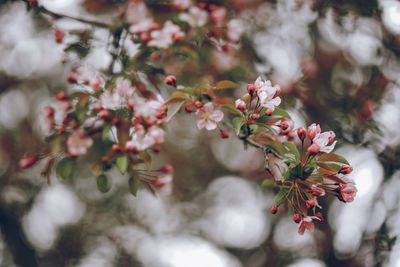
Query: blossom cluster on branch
120,121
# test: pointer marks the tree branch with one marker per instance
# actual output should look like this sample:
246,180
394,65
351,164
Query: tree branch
58,16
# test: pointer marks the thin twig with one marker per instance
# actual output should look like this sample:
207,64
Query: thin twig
57,16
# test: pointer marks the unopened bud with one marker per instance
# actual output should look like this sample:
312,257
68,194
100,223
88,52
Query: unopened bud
105,159
198,104
61,96
274,209
251,89
27,162
254,116
269,111
189,109
345,169
225,135
301,133
296,218
171,80
310,203
167,168
116,121
116,148
105,115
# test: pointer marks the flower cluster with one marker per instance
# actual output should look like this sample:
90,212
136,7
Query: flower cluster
208,17
299,162
128,122
125,119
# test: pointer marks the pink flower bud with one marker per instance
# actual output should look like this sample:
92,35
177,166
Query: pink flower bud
302,133
296,218
269,111
105,159
240,104
27,162
225,135
313,149
313,130
61,96
170,80
254,116
189,109
317,191
198,104
251,89
310,203
345,169
274,209
286,126
115,148
167,168
105,115
59,35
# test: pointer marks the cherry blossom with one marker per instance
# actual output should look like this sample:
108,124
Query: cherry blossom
123,87
307,223
87,75
322,140
140,141
208,117
348,191
182,4
313,130
157,134
78,143
165,37
267,94
195,18
235,30
111,100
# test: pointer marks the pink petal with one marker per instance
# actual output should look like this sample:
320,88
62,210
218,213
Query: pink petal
210,125
217,115
201,124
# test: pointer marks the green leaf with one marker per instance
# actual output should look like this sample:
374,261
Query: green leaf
293,149
105,131
296,172
225,84
134,184
232,108
64,168
103,183
122,163
189,90
280,197
333,157
267,183
237,124
281,112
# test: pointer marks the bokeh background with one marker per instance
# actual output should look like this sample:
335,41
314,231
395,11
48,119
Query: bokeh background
338,64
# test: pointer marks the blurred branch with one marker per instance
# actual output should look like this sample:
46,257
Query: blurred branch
58,16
